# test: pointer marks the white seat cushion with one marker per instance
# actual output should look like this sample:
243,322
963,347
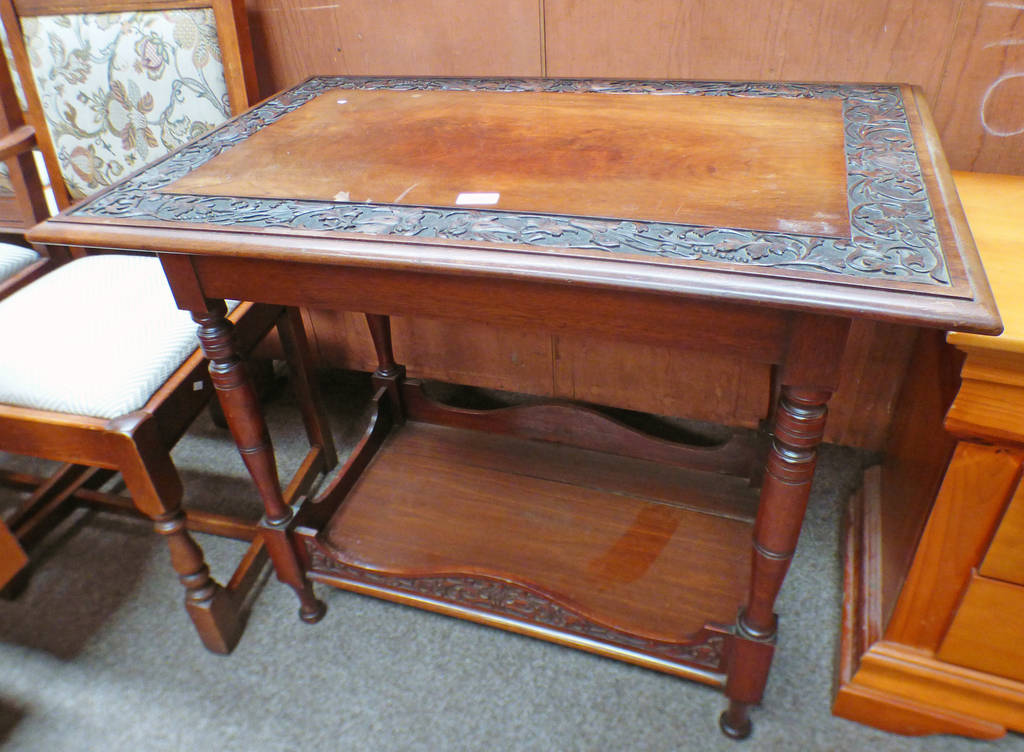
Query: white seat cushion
95,337
14,258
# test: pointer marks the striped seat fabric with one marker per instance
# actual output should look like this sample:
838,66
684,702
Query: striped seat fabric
14,258
95,337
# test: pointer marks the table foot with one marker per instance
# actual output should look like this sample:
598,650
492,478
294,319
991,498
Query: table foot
735,720
312,612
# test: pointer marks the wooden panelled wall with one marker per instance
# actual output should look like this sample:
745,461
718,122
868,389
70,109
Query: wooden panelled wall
968,55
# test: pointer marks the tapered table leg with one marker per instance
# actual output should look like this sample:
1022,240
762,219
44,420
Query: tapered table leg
241,406
808,379
800,423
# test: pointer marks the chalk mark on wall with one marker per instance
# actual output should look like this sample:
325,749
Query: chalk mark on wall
991,130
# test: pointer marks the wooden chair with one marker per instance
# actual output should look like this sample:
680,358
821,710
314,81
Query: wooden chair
107,375
22,204
11,217
169,71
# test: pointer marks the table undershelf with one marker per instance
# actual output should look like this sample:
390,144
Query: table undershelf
621,556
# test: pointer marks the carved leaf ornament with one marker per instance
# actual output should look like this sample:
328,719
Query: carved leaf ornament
519,603
893,232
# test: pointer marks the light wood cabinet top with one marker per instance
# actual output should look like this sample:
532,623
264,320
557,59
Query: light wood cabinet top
995,210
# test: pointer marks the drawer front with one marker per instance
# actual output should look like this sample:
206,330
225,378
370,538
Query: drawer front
1004,559
986,631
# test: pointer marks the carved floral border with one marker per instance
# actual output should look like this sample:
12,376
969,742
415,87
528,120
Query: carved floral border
893,233
527,606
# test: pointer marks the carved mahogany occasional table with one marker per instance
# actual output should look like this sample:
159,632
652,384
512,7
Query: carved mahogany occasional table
749,218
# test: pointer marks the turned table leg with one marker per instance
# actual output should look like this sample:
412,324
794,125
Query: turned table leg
389,374
241,406
808,379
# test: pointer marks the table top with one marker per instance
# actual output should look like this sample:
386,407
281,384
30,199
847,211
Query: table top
829,198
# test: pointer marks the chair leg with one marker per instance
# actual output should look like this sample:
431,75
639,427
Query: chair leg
13,562
51,502
156,490
214,611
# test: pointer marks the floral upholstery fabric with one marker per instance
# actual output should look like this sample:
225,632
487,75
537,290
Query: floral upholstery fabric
6,187
121,89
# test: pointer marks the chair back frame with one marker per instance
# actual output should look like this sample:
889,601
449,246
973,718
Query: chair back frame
29,202
232,36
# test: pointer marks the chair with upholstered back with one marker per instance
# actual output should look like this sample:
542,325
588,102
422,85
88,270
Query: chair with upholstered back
105,375
112,86
21,199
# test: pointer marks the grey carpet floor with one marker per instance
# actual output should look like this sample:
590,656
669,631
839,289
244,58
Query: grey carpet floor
97,654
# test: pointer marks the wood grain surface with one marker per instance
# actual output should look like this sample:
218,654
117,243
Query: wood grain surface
666,381
798,271
12,556
989,411
969,505
990,404
985,633
916,455
749,40
979,100
874,365
770,164
965,54
1004,559
954,663
295,39
993,207
908,691
599,534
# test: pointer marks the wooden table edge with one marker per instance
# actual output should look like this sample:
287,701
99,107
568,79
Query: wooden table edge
536,265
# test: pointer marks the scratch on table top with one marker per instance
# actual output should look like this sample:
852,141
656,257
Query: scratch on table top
1004,42
404,193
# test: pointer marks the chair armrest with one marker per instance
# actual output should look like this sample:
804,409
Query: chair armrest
20,140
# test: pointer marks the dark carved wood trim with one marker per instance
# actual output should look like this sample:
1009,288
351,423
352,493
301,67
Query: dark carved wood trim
518,603
893,232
